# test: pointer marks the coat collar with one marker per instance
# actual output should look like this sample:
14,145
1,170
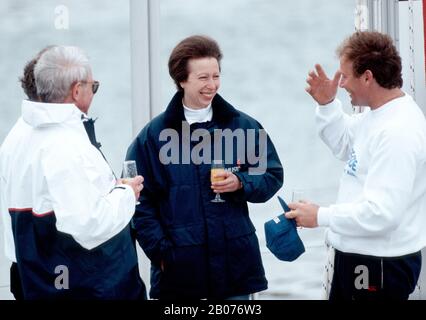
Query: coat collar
174,114
39,114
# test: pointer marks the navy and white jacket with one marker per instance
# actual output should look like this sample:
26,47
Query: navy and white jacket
61,208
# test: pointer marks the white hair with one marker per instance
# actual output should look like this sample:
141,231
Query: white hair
57,70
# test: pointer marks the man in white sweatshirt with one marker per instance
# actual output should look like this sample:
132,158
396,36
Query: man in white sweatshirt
377,226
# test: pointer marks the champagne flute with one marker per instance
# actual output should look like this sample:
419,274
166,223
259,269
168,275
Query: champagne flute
130,171
217,167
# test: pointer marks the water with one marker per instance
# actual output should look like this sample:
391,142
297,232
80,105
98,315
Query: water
269,46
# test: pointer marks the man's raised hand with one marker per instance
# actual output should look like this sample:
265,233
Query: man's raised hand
320,87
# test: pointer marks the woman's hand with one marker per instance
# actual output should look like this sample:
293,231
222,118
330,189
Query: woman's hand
230,183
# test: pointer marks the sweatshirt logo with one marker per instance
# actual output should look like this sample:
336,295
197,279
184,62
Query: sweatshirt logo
351,165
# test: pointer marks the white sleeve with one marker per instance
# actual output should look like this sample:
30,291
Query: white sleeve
9,244
386,192
86,203
335,128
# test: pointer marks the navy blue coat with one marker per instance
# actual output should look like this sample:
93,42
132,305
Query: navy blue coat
209,250
108,272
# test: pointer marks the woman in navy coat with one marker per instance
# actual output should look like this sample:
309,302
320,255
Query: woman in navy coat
199,248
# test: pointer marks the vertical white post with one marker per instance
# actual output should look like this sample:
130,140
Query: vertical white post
144,46
415,73
139,57
412,50
383,17
412,63
154,57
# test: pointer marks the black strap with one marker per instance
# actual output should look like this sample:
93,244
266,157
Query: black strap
89,125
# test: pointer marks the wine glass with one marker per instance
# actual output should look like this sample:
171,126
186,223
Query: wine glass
130,170
298,195
217,167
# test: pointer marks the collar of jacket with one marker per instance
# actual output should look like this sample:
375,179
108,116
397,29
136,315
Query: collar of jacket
41,114
222,111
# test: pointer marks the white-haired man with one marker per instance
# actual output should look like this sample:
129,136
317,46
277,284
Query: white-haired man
66,217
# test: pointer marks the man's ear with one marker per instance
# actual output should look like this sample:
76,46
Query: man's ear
76,91
368,76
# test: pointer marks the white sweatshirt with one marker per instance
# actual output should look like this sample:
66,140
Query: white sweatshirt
381,207
47,163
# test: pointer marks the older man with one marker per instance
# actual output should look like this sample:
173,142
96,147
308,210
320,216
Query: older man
66,217
377,226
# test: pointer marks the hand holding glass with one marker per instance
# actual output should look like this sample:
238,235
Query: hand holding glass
130,170
217,167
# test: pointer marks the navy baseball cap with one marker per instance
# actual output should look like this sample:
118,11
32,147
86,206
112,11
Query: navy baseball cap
282,238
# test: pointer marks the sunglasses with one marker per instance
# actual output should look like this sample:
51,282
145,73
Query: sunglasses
95,85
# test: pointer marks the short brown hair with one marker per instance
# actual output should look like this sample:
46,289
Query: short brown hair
374,51
28,80
191,48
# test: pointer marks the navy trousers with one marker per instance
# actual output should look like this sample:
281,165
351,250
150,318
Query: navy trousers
362,277
15,282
